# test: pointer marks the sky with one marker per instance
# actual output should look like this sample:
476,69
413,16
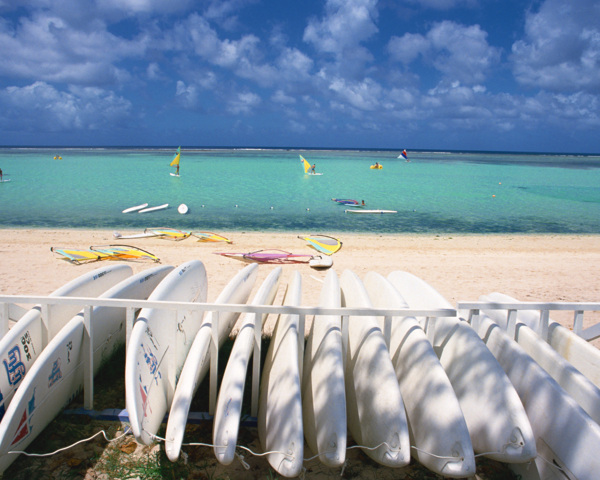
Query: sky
500,75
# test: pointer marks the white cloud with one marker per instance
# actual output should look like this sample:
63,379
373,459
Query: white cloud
346,24
361,95
41,107
243,103
561,48
459,52
280,97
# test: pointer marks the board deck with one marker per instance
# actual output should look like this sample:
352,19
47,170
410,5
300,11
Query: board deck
437,426
153,209
158,346
280,428
136,208
23,343
497,422
375,410
197,361
228,411
323,391
57,376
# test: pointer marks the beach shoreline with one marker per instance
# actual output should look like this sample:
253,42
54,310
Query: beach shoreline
539,268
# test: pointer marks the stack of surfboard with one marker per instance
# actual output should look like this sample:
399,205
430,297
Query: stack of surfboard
438,390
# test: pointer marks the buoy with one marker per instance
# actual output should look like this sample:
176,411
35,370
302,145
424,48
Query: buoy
494,196
202,206
236,206
183,209
308,209
271,208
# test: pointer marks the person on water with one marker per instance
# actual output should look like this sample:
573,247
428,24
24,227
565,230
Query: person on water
177,170
376,164
312,169
363,203
1,175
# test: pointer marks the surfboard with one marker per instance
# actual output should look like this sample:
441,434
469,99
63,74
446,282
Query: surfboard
584,356
136,208
583,391
369,212
153,209
197,362
23,343
57,375
279,419
375,410
159,342
497,422
228,411
5,180
174,174
323,391
436,423
568,439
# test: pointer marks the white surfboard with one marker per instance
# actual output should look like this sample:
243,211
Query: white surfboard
159,343
153,209
136,208
567,438
228,412
23,343
584,356
583,391
197,362
376,415
57,375
371,212
280,406
498,424
323,391
437,426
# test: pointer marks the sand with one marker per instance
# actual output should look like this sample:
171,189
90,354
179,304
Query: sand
544,268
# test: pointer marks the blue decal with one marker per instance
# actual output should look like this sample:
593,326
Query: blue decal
15,368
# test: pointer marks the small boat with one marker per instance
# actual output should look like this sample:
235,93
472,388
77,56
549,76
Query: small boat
404,155
376,166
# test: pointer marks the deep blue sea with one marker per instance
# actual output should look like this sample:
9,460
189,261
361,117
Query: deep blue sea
266,190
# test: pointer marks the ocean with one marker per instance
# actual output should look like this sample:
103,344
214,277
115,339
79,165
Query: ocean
266,190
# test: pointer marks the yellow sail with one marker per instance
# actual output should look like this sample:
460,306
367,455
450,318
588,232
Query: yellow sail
175,161
306,164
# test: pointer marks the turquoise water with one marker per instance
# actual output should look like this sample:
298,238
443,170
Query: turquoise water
258,190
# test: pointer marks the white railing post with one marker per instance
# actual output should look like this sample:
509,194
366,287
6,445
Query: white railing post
45,314
387,331
511,323
214,362
3,318
578,322
474,318
129,320
301,323
430,328
258,318
87,350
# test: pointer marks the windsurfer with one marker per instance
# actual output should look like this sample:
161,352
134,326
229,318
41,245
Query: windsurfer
312,169
0,174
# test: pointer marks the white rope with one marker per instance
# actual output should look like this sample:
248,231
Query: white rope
17,452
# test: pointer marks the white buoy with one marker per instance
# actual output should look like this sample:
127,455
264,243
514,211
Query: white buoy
183,209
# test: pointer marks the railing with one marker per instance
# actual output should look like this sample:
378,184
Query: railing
589,334
9,310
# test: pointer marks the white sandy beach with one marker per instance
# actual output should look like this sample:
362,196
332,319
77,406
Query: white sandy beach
544,268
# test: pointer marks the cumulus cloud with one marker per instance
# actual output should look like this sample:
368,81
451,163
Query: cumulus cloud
457,51
41,107
243,103
561,48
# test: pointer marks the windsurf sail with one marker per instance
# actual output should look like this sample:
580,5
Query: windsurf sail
210,237
404,155
168,233
307,165
108,252
124,252
269,256
175,161
345,201
323,243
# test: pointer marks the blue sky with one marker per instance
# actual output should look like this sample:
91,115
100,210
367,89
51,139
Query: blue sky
422,74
